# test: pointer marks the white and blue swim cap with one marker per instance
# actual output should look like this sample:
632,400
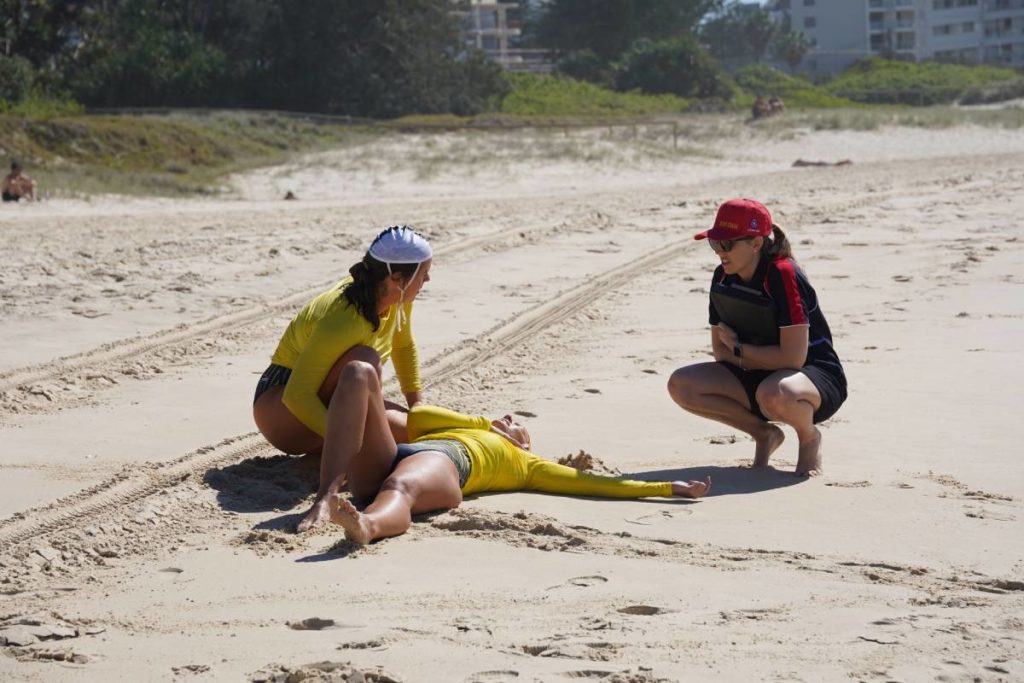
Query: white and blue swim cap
400,244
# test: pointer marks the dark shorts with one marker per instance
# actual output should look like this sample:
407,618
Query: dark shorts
273,376
832,388
455,451
8,197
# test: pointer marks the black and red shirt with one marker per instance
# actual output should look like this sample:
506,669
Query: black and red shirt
785,287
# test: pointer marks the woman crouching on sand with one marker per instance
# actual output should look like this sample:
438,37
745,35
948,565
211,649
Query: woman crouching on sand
450,455
300,404
796,378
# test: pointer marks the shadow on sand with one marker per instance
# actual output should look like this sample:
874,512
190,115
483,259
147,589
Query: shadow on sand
726,481
269,484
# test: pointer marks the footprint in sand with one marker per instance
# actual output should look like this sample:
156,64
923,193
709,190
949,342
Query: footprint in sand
659,517
645,610
849,484
582,582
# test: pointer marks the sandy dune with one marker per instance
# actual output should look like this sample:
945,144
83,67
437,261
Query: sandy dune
145,529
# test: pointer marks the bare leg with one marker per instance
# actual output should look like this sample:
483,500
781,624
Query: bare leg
790,397
711,391
284,431
358,444
422,482
397,415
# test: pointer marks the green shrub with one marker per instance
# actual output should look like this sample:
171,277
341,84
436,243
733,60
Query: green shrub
534,95
677,66
882,81
758,79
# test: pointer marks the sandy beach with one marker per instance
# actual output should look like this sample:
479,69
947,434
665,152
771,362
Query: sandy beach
146,529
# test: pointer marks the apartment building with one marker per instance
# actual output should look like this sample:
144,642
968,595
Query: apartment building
963,31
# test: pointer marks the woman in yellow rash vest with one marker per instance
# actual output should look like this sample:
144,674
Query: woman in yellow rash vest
449,455
364,320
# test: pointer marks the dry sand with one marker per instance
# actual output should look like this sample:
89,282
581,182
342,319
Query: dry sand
144,529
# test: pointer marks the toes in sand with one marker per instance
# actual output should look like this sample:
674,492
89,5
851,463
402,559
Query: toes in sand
316,516
767,444
809,462
345,515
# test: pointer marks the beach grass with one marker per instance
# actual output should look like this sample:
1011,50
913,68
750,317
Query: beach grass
170,155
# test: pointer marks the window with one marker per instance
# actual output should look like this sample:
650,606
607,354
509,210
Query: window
967,27
943,30
810,22
905,41
808,3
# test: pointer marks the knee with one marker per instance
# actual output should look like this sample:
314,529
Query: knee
774,399
405,486
359,372
681,388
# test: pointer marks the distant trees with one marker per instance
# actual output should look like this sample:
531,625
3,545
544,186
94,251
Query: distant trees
610,27
677,66
383,58
646,45
742,34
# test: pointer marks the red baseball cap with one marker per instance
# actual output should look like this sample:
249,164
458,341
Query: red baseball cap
739,218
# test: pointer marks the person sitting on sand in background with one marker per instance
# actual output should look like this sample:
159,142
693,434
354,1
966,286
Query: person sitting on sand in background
799,381
17,185
760,108
449,456
775,105
359,323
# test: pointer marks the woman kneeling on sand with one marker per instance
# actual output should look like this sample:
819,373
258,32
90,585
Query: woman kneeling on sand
449,455
300,404
792,374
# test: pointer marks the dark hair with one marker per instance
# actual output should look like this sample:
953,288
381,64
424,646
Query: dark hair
776,246
367,276
15,164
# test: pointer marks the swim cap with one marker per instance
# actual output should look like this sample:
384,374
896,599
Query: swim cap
400,244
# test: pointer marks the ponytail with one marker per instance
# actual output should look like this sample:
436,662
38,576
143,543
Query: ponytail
776,246
367,276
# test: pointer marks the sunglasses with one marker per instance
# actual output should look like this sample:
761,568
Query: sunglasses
726,245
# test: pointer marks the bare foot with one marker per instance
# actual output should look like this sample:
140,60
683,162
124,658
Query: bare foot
317,515
808,464
767,444
691,489
344,514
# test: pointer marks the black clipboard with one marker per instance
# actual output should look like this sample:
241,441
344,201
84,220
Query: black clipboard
752,316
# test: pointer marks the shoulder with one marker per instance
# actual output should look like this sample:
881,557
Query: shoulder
719,275
786,269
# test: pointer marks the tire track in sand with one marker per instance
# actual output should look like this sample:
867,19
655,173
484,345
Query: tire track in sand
94,367
140,481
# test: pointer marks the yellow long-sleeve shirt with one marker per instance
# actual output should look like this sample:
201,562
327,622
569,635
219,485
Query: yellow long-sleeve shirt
325,329
496,464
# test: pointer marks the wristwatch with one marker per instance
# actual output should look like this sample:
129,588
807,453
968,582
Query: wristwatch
738,350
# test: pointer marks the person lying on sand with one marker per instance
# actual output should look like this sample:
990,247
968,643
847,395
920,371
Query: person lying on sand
450,455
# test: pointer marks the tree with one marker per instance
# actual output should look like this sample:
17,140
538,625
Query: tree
382,59
791,47
739,35
610,27
678,66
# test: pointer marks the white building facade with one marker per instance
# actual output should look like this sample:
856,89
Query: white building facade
962,31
